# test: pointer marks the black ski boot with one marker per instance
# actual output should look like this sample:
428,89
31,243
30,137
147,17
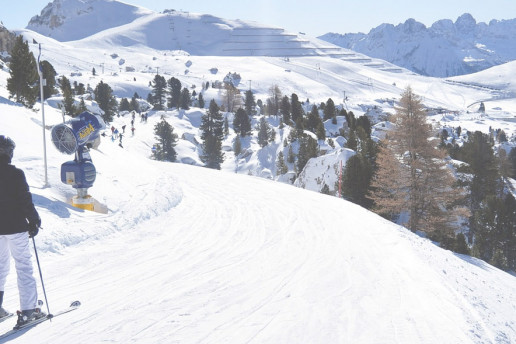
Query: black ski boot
28,315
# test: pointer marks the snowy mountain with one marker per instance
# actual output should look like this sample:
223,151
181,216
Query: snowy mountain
186,254
444,49
67,20
196,34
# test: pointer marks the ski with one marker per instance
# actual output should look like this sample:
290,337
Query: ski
5,317
73,306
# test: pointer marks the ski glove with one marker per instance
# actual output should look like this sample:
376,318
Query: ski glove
34,228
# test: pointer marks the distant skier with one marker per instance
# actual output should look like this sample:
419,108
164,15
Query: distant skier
17,217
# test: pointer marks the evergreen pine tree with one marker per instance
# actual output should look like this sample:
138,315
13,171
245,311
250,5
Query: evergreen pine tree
49,75
297,109
134,105
242,123
174,86
495,238
23,83
364,123
82,106
478,153
313,120
167,140
106,100
329,110
80,89
250,103
68,99
308,149
512,163
352,142
185,99
263,132
124,105
201,101
291,157
212,135
356,180
320,131
281,167
285,110
159,85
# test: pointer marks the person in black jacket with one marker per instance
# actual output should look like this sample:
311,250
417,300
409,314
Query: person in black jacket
19,220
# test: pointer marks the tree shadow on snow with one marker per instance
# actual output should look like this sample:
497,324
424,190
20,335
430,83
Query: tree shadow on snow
59,208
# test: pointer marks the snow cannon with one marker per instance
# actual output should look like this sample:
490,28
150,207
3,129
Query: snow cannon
77,137
84,130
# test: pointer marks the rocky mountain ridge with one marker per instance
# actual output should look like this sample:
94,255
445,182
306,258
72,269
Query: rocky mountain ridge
444,49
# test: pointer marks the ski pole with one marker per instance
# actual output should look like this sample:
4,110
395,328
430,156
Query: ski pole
41,277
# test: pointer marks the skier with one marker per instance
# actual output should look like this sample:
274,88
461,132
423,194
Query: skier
17,217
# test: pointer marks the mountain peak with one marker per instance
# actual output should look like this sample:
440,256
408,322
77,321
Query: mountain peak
466,23
412,26
67,20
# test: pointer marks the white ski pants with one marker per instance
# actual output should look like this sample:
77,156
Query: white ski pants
17,245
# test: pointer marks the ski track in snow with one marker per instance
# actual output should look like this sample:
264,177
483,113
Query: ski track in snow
234,263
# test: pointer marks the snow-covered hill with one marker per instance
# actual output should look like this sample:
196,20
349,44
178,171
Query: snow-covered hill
111,22
445,49
187,255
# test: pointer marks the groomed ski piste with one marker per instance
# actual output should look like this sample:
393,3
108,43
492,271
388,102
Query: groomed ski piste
187,254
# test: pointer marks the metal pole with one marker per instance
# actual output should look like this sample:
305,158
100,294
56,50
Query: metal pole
41,81
41,277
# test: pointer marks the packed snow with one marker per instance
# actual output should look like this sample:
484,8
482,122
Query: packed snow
186,254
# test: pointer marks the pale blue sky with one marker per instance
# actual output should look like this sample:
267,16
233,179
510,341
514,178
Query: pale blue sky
314,17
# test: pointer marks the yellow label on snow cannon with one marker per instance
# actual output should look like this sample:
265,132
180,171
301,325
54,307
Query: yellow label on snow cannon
86,132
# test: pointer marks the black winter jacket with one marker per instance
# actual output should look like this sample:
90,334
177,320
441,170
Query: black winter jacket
16,207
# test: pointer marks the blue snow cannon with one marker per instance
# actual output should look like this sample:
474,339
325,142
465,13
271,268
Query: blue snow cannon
77,137
78,174
82,131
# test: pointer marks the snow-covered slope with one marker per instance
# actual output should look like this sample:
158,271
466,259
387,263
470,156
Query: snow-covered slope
445,49
69,20
108,22
188,255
